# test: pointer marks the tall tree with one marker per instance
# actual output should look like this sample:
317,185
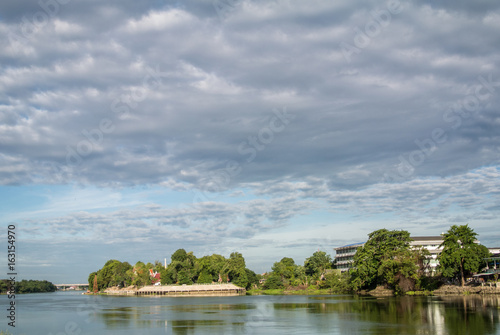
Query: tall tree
461,255
318,263
285,269
385,259
235,269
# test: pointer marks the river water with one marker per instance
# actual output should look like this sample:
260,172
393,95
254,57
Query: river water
65,313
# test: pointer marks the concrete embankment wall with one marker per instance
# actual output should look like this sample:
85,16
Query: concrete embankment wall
192,290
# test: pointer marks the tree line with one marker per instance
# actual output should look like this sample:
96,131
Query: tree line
28,286
184,268
386,259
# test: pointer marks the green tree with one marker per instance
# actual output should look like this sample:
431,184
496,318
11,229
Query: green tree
385,259
34,286
273,282
213,265
91,280
179,255
141,276
336,282
113,273
253,279
204,278
184,268
317,264
235,269
299,275
461,255
285,269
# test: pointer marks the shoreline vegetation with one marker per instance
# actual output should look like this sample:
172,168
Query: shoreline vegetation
385,265
26,286
445,290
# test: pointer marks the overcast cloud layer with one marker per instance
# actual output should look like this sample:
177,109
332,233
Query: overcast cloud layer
274,128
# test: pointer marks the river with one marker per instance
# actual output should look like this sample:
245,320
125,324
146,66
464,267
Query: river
68,313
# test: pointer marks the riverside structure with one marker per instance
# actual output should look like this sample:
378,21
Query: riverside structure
192,290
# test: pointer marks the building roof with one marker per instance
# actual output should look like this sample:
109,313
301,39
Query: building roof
350,245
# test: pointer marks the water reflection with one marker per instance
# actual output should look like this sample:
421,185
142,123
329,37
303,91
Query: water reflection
307,315
472,314
405,315
182,318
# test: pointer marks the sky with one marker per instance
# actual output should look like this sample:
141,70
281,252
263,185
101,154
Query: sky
129,129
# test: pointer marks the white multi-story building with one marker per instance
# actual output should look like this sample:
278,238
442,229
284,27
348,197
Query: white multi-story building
432,244
344,256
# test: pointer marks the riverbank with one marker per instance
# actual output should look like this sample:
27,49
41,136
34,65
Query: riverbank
458,290
199,290
230,289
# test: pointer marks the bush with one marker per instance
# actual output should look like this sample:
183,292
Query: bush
273,282
430,283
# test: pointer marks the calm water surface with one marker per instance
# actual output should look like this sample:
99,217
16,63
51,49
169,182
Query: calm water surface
62,313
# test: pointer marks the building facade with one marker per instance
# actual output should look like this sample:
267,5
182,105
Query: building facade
344,255
432,245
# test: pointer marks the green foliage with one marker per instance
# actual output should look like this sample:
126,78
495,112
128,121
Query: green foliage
430,283
235,268
179,255
184,268
204,277
139,275
253,279
29,286
336,282
212,265
91,280
461,256
273,282
385,259
113,273
299,276
317,264
4,287
184,278
285,269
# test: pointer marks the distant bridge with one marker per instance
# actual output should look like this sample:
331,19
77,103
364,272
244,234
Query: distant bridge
72,286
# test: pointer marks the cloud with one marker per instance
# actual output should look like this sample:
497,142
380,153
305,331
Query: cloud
128,94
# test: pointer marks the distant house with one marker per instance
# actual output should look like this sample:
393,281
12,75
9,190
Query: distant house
155,277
